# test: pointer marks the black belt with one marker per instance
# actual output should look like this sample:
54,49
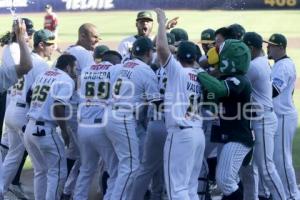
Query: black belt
39,123
185,127
22,105
98,121
120,107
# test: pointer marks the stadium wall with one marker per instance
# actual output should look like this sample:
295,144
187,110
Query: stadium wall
94,5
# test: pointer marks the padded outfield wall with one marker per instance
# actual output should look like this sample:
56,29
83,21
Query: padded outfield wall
92,5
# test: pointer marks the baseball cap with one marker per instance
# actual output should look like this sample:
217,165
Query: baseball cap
43,35
29,26
278,40
187,51
144,15
142,45
253,39
100,50
179,34
207,36
238,30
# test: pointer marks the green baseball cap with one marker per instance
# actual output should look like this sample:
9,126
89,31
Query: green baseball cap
237,30
207,36
179,34
142,45
253,39
186,51
144,15
44,35
100,50
278,40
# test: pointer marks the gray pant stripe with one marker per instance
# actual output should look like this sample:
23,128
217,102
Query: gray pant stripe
129,145
265,155
56,190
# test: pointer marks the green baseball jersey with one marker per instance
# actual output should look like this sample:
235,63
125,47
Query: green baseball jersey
234,112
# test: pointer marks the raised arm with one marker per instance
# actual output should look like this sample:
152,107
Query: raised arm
25,58
162,46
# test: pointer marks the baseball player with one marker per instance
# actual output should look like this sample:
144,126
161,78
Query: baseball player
207,40
10,75
95,91
185,143
51,93
237,30
233,91
179,35
135,86
151,166
98,53
10,56
88,38
283,79
144,24
15,117
264,125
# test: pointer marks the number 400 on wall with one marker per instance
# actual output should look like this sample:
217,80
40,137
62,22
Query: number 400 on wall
281,3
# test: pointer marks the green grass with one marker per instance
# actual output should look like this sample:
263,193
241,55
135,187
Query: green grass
114,26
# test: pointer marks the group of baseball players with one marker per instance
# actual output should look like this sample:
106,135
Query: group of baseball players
155,119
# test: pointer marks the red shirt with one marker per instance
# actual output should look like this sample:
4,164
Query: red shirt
50,22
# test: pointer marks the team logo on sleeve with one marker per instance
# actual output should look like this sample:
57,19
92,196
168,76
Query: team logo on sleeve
278,82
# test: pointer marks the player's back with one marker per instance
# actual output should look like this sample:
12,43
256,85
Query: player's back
183,95
52,85
136,84
259,74
20,89
84,57
96,84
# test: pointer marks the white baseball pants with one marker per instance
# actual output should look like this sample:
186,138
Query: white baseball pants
264,130
287,125
152,162
47,154
183,157
15,119
93,145
121,131
229,163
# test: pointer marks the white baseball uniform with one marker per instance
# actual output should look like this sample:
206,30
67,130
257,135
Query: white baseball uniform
125,46
264,128
10,57
284,78
95,91
42,142
8,77
185,143
15,119
84,59
135,86
151,166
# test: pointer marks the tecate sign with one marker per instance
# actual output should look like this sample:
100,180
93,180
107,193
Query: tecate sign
89,4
